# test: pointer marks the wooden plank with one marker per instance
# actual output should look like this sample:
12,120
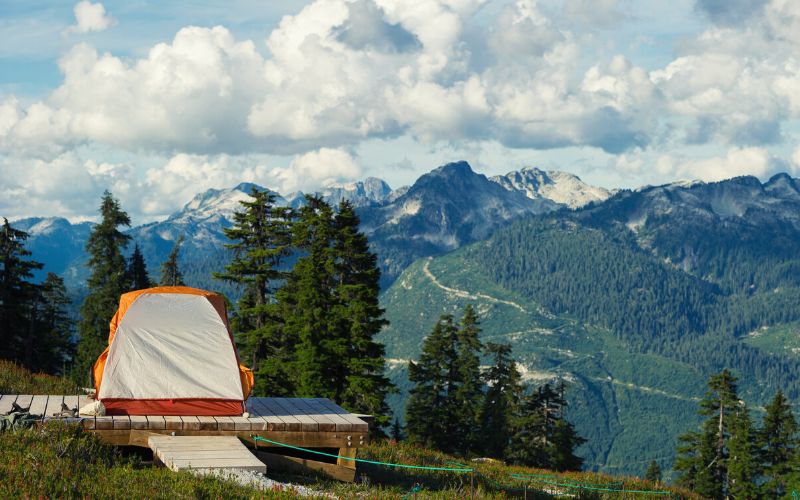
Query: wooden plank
306,423
121,421
38,405
274,422
358,424
82,401
302,439
241,423
291,423
323,421
207,423
341,423
138,422
53,406
6,401
104,422
347,452
302,465
225,424
156,422
190,423
173,423
24,400
207,453
257,422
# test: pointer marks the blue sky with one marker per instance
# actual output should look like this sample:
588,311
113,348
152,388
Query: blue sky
160,100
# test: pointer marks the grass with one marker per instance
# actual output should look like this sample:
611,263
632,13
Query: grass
58,460
15,379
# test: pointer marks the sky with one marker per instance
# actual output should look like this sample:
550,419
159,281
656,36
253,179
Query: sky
158,101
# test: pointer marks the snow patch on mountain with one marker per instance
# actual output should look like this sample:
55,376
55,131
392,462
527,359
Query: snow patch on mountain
560,187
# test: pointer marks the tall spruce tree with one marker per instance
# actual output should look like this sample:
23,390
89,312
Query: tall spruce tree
653,472
107,282
564,438
137,270
170,271
18,296
778,444
469,391
742,465
322,344
431,409
500,405
261,239
542,435
360,316
53,348
703,455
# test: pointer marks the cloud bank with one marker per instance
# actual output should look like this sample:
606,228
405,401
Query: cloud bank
341,72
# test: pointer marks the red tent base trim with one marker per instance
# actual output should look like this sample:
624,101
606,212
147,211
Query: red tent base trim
174,407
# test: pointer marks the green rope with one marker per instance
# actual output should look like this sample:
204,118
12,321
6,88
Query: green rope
618,484
570,485
451,469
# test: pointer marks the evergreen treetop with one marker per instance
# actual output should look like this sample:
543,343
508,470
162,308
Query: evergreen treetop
107,282
170,271
18,296
260,240
137,270
778,445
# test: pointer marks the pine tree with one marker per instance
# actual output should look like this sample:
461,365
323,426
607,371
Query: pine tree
261,240
170,272
430,410
565,439
107,282
469,392
742,465
53,347
703,455
542,435
359,314
18,296
653,472
500,405
397,431
137,270
778,445
321,341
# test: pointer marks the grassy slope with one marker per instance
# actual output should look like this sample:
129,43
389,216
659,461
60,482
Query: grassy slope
61,461
17,380
630,407
780,339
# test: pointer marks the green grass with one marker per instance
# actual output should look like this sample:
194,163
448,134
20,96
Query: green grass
58,460
17,380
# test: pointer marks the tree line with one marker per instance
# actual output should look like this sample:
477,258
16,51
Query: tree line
731,457
456,407
35,329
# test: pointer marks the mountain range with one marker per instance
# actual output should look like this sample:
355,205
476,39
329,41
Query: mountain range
442,210
633,296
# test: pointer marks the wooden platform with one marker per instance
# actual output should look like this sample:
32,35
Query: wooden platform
204,453
304,422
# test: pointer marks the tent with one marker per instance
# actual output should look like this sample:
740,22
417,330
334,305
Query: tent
170,352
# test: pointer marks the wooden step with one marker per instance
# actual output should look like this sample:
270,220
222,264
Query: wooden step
209,453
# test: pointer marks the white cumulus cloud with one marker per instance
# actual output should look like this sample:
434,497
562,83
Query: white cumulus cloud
316,169
90,17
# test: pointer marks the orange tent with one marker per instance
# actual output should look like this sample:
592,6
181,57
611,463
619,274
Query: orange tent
170,352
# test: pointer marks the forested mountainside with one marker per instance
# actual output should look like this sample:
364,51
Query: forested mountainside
635,300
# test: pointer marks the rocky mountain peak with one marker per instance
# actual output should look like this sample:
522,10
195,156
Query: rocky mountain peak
560,187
